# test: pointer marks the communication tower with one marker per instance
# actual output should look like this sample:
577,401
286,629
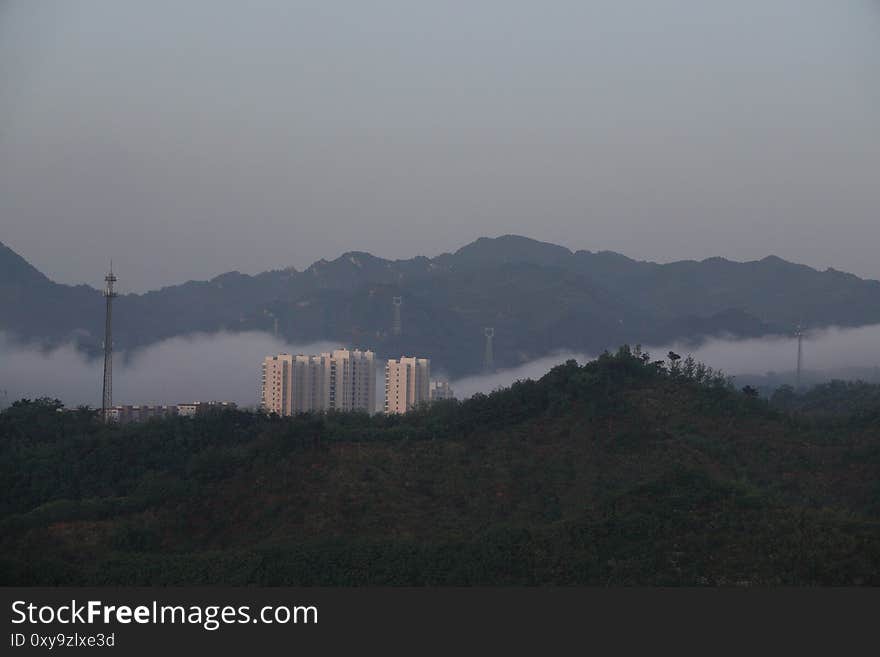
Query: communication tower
800,355
396,326
109,295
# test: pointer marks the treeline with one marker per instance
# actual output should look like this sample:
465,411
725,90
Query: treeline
624,470
848,402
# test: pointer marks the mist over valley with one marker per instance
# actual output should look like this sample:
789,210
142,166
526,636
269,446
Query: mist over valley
226,366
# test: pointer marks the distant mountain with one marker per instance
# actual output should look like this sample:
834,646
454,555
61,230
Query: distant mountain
505,250
32,307
539,297
15,270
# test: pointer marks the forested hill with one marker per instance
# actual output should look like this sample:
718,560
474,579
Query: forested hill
539,297
623,471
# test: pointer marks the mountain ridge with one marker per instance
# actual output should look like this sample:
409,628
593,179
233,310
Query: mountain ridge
540,297
771,258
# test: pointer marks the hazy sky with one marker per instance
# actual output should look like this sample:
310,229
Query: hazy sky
191,138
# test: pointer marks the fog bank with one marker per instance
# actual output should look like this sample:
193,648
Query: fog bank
226,366
825,350
201,367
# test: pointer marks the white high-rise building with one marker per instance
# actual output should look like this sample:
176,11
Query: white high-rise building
407,383
309,384
343,380
352,380
275,395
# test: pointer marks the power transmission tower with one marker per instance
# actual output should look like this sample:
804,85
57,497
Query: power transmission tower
274,317
109,295
800,356
396,325
489,355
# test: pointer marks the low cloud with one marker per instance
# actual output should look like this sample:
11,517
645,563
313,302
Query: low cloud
226,366
829,350
200,367
534,369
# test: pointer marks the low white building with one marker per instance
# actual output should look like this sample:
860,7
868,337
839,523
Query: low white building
187,410
440,389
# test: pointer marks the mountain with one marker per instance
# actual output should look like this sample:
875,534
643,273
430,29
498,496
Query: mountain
617,472
507,249
16,270
32,307
539,297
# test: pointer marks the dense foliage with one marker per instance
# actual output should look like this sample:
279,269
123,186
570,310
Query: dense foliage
835,402
622,471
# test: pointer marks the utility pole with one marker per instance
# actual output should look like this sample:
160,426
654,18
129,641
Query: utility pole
109,295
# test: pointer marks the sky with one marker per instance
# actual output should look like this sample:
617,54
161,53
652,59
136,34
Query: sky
186,139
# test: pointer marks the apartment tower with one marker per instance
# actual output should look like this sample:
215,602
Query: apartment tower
352,380
407,383
276,394
342,380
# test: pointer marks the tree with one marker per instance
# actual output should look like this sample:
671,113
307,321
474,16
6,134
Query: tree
749,391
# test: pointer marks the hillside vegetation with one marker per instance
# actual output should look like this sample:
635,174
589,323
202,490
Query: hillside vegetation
624,471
